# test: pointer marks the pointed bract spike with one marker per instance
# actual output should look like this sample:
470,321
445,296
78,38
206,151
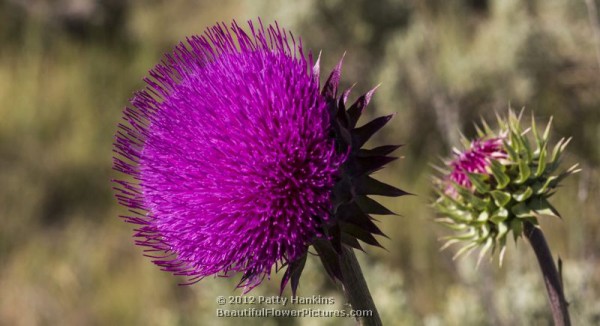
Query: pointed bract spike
499,119
357,108
331,85
369,186
441,170
512,115
502,251
465,250
362,134
342,116
547,131
352,242
556,152
464,140
293,272
284,280
316,70
329,259
378,151
535,131
368,165
573,169
521,114
336,238
346,93
488,244
486,127
480,134
353,214
564,146
448,244
371,206
360,234
297,272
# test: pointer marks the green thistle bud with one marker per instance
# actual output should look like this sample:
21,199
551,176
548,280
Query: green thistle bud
498,183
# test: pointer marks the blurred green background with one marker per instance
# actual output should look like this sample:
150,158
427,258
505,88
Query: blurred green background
68,67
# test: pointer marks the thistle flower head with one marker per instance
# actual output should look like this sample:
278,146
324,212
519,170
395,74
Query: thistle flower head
475,159
499,182
234,157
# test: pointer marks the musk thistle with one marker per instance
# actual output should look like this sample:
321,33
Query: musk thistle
500,184
234,160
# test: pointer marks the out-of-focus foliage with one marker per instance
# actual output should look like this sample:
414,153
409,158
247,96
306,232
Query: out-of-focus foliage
68,67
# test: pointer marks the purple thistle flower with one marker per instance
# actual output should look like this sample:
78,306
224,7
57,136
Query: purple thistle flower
476,159
231,153
240,161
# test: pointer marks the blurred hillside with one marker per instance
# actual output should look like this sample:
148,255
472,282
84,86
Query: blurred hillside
68,67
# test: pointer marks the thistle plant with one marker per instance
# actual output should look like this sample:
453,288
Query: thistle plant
500,185
235,160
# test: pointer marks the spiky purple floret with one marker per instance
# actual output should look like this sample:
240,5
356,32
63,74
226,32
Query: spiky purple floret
476,159
230,150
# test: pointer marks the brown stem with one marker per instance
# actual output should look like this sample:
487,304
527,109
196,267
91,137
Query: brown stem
356,290
552,280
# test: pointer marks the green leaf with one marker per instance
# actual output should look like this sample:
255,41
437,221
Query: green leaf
523,195
501,198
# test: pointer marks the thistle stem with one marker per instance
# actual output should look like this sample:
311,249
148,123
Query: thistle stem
552,280
356,290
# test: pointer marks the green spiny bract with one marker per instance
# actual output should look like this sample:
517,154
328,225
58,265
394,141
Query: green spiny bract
511,189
